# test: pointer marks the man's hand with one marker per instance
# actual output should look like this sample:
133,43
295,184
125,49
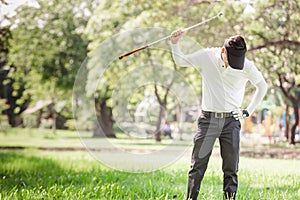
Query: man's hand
240,114
176,35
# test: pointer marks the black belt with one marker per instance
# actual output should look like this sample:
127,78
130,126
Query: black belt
217,114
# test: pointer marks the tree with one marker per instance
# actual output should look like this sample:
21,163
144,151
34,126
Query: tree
5,36
162,98
275,30
53,39
112,17
10,89
48,48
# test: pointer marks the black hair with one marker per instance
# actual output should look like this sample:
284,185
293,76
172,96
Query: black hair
237,42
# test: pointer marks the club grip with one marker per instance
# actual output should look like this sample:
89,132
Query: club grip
132,52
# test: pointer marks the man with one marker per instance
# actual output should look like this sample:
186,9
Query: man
225,72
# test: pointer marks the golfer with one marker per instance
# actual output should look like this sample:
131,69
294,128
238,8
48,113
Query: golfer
225,72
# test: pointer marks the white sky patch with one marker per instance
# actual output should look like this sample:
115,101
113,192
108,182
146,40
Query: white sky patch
8,11
249,10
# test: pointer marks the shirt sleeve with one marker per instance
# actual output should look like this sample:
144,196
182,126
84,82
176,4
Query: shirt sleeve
260,92
253,74
260,84
181,59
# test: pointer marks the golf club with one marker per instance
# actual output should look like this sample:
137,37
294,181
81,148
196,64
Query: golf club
167,37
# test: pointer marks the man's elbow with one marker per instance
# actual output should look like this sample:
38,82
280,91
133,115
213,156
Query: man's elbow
263,86
177,61
180,62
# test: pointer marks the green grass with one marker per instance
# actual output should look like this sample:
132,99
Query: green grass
34,138
17,137
32,175
37,174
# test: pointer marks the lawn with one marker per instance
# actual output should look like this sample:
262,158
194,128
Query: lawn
35,173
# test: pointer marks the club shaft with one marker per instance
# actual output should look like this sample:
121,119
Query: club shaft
167,37
157,41
134,51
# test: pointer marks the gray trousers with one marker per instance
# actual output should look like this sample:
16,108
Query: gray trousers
228,132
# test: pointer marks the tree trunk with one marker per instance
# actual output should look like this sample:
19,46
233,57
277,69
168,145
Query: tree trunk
293,129
161,119
54,119
15,120
178,119
287,121
39,118
104,123
53,116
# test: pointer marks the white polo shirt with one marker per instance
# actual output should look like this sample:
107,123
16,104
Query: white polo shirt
222,88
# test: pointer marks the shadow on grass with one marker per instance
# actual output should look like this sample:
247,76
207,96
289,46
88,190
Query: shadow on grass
23,175
23,171
30,177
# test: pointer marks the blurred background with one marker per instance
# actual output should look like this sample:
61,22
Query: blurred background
44,43
56,54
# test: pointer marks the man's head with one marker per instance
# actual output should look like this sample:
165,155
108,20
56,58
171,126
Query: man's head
235,49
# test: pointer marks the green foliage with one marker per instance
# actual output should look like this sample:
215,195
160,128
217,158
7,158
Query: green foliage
30,121
5,36
47,49
275,36
106,74
50,42
53,39
114,16
4,125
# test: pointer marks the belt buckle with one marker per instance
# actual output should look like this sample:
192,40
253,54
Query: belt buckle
219,115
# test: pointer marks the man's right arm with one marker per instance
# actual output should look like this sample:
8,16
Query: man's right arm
175,36
180,58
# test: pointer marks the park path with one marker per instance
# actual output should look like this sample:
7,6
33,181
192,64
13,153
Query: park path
258,151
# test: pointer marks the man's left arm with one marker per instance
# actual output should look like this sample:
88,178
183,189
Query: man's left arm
260,92
261,86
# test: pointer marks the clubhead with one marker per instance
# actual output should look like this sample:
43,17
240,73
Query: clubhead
220,14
